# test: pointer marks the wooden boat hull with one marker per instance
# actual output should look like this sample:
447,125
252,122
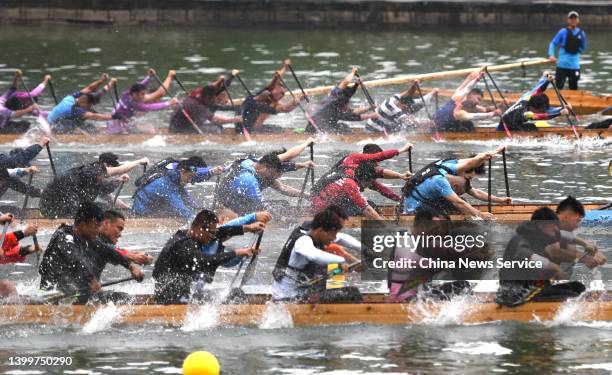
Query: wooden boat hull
515,212
253,315
288,135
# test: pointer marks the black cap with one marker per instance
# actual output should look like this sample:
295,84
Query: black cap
110,159
573,14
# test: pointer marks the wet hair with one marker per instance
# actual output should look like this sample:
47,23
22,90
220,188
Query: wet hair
15,104
476,91
338,211
112,215
204,218
480,170
372,148
198,161
544,214
326,220
190,164
137,87
87,212
109,158
271,161
540,102
424,214
571,204
365,172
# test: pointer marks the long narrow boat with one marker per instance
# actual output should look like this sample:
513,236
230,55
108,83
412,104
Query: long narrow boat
373,310
271,135
513,212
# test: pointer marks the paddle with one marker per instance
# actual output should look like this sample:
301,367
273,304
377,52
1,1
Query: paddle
245,131
506,173
565,106
306,114
506,129
23,214
216,191
183,111
370,100
110,94
52,90
41,119
116,93
250,269
489,200
56,297
538,289
334,272
312,175
437,135
410,159
298,83
299,204
117,194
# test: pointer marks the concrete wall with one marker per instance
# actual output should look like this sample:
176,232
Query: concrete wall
396,14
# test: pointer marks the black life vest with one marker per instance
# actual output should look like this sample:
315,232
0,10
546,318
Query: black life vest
430,170
335,173
572,42
154,172
310,271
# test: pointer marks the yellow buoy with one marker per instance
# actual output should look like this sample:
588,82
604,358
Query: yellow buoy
201,363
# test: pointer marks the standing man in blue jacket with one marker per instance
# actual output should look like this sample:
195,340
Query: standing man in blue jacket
571,41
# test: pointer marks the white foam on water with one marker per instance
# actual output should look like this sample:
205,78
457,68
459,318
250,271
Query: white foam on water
326,54
201,317
103,319
82,371
551,142
445,313
478,348
361,357
276,316
156,141
169,370
594,366
23,372
382,140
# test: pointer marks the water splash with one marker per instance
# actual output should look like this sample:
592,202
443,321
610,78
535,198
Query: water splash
442,313
155,141
276,316
478,348
201,317
103,319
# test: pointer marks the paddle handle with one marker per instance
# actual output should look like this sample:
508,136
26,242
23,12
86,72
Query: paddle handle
119,281
506,173
489,197
51,160
117,194
299,204
565,106
244,86
52,90
25,87
418,87
298,83
178,81
501,95
484,79
27,197
410,159
312,175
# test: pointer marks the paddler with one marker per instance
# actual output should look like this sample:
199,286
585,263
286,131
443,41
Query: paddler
241,189
408,283
532,107
183,260
18,101
537,240
63,196
464,107
398,113
135,101
304,259
164,192
430,186
335,107
265,102
200,105
11,251
372,153
72,112
7,116
571,212
277,92
110,231
74,260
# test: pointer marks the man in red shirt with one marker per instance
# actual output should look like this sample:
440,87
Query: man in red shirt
346,193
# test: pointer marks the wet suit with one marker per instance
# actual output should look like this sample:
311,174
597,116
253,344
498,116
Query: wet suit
127,108
515,284
165,196
517,117
66,116
182,261
70,263
571,44
332,109
63,196
429,186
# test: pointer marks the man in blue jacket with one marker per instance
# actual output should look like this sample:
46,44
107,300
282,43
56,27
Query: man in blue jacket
571,41
167,195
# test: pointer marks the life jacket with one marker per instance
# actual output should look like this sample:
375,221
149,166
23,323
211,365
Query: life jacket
156,171
572,42
309,272
430,170
234,170
335,173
